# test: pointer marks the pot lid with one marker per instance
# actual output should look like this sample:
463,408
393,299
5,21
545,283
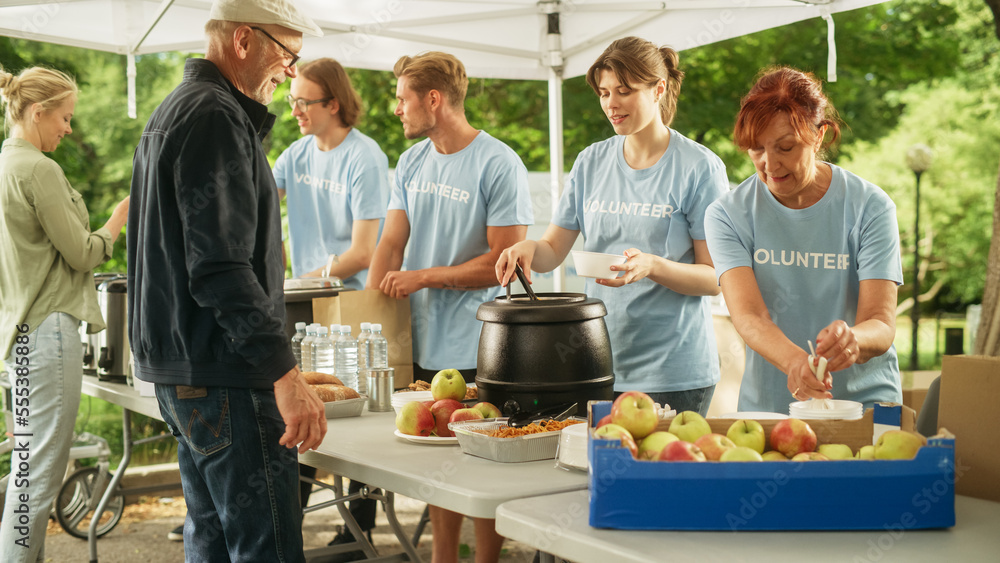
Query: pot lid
548,308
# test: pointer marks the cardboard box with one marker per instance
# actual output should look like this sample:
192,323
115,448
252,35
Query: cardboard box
370,305
781,495
915,384
970,406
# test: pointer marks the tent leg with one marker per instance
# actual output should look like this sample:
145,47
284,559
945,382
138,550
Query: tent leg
556,157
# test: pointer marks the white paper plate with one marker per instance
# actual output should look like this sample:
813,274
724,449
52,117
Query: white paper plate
428,440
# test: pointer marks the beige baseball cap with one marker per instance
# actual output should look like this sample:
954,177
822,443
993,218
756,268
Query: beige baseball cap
278,12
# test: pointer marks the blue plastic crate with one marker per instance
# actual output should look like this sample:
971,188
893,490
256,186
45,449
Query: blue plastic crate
780,495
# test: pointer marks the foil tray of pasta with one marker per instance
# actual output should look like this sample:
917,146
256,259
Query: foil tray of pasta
493,439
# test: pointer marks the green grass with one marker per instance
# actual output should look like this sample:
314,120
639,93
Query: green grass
105,420
930,341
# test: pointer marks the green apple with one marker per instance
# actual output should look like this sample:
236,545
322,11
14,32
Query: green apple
615,432
836,451
714,445
810,456
773,455
748,433
741,453
488,409
651,446
689,426
448,384
898,444
636,412
866,452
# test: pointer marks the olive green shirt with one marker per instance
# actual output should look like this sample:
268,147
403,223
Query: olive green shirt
47,251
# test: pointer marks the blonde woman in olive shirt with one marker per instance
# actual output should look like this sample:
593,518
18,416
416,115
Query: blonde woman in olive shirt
47,254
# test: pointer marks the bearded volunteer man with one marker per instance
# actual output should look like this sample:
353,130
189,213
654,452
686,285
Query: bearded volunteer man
206,306
460,197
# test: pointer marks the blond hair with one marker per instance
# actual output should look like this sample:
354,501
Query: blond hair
35,85
435,70
636,61
333,79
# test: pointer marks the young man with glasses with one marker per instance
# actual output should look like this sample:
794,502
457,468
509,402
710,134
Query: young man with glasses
206,305
336,180
335,177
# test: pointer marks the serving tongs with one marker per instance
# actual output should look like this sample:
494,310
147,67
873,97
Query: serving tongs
524,282
557,412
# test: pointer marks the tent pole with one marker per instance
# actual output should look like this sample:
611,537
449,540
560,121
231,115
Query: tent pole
556,156
555,64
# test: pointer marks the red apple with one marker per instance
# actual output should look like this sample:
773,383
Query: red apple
651,446
466,414
415,419
689,426
448,384
714,445
442,411
605,420
636,412
680,450
792,436
488,410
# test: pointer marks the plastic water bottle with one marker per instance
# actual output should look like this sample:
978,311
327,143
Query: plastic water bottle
347,358
323,352
306,347
363,351
379,353
334,337
300,333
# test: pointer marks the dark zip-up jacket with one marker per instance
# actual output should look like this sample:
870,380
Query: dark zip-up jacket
205,298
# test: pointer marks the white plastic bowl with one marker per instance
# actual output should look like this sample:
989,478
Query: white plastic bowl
838,410
596,264
400,398
755,415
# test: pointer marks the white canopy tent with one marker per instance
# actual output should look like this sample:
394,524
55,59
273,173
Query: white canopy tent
514,39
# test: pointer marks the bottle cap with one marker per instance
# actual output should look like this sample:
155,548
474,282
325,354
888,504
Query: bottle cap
345,329
366,326
300,325
322,331
377,326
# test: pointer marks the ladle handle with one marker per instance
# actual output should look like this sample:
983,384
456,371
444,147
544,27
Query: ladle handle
524,282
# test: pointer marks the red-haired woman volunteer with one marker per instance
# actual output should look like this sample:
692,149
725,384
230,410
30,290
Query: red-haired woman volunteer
805,250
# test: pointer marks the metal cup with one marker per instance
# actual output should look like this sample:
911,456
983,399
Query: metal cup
380,386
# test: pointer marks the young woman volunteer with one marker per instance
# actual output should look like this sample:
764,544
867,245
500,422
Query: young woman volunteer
643,193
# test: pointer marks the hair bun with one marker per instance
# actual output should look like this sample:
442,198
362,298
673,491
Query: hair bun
6,80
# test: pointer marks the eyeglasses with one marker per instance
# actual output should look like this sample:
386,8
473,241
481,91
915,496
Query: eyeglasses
295,57
303,104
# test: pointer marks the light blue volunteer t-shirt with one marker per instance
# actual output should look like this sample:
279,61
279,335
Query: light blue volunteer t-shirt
808,264
449,200
327,191
661,340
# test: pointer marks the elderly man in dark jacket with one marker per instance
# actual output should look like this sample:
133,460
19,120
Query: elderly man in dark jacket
206,306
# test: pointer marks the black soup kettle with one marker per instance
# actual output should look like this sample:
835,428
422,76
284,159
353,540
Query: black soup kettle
537,351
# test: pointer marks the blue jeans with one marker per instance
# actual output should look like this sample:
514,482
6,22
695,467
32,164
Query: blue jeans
241,487
696,400
38,464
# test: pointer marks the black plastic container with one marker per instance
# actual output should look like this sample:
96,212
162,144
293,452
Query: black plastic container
535,353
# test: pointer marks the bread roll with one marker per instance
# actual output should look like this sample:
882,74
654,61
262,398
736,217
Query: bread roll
328,393
317,378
